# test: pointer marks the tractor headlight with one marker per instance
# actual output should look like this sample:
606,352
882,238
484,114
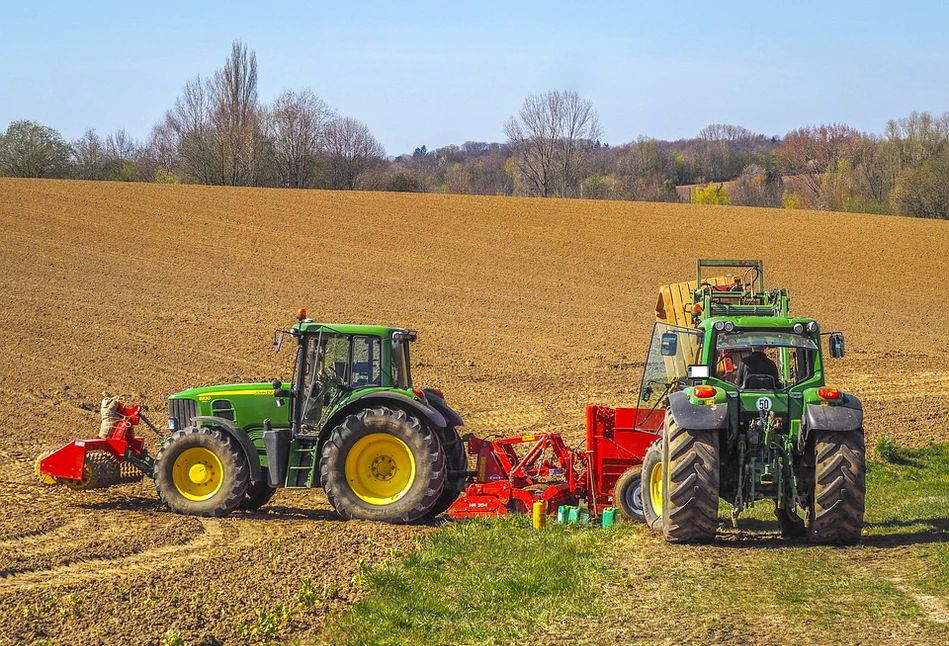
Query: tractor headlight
813,327
719,325
729,326
798,328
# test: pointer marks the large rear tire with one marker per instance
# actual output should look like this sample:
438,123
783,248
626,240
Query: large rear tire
838,500
691,467
628,494
652,486
382,464
457,464
200,472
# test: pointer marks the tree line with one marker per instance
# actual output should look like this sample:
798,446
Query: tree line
219,132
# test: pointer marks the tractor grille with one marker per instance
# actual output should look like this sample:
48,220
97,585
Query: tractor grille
180,412
719,309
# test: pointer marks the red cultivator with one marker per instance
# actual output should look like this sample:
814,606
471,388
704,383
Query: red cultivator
100,462
508,480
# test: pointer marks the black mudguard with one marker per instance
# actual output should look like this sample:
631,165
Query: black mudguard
394,400
452,419
844,417
697,417
240,435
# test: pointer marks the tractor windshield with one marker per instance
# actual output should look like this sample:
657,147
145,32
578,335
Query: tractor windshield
764,360
327,375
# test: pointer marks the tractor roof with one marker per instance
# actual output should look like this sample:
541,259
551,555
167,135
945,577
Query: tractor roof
312,327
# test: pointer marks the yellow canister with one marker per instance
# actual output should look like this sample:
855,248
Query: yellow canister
540,514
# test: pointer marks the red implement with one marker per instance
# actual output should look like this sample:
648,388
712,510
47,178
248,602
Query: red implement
514,472
67,462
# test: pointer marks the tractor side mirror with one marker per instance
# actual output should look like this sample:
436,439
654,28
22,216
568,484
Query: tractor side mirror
277,341
646,394
669,344
279,391
837,346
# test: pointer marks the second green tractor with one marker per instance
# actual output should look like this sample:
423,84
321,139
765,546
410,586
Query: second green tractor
748,413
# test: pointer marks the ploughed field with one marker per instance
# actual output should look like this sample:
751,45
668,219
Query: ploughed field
527,311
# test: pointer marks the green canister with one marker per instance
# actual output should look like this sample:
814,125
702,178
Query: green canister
609,516
562,514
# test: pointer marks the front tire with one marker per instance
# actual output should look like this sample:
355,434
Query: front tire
652,486
382,464
691,467
258,494
838,500
200,472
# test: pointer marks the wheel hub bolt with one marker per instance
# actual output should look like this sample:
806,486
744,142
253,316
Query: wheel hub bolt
383,467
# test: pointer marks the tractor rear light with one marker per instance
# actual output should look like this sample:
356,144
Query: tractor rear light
704,392
828,393
438,393
418,393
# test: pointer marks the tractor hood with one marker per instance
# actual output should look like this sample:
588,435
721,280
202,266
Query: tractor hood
247,405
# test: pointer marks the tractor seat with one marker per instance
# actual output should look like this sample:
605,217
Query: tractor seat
759,382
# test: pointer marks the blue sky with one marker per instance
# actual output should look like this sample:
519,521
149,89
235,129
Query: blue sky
436,73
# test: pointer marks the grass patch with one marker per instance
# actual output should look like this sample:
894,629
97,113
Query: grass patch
500,582
483,582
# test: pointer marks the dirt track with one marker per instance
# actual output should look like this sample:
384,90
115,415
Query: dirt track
527,310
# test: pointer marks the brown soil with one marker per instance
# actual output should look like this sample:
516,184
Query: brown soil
527,311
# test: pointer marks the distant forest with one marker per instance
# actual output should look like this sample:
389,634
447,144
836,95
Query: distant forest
218,132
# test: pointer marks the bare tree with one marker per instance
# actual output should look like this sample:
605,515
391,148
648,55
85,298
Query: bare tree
351,150
297,125
551,136
813,152
235,117
190,121
159,157
89,156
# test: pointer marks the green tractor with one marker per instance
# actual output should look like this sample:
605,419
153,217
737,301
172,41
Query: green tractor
350,421
748,414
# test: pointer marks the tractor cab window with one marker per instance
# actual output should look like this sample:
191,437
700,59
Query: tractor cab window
327,375
764,360
671,351
367,362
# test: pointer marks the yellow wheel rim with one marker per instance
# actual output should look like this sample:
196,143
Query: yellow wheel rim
83,482
380,468
43,477
655,489
197,473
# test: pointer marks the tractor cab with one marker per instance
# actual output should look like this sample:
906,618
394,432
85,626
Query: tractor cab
336,364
